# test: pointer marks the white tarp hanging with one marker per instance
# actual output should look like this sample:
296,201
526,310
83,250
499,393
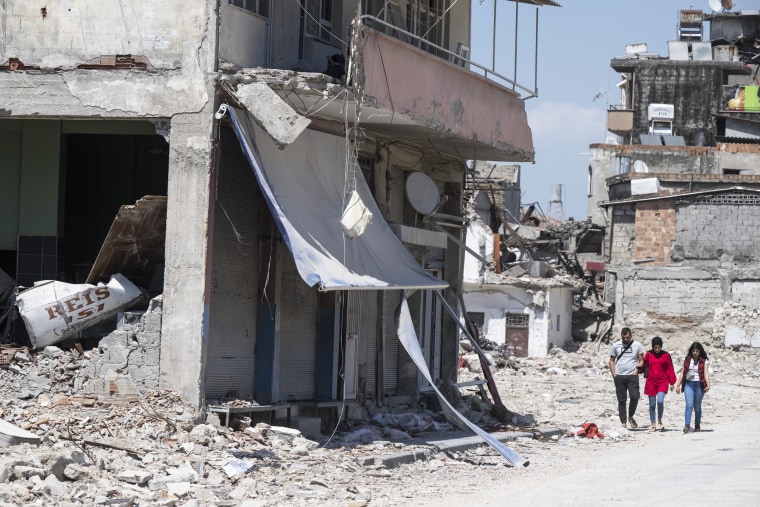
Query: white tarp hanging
303,185
408,338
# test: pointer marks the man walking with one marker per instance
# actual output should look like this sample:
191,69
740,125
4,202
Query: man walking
626,362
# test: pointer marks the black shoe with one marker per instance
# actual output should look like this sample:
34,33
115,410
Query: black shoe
696,427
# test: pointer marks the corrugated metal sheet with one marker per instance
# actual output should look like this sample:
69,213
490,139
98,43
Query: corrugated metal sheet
232,303
298,334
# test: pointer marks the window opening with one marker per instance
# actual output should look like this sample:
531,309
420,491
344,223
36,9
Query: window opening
517,319
260,7
319,19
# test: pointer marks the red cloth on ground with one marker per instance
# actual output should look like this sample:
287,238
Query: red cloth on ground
661,373
591,430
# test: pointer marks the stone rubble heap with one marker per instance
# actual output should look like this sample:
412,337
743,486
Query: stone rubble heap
151,450
155,449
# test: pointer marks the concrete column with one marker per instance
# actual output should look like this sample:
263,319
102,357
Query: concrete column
184,329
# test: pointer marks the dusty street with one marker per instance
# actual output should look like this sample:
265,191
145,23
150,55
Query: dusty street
660,467
149,452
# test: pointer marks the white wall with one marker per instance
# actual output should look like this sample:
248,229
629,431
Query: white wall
71,33
560,311
494,304
550,314
177,39
476,236
242,37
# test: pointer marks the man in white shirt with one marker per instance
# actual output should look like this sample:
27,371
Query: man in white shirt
626,362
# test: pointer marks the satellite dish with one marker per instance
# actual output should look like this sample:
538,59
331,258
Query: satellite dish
422,193
639,166
720,5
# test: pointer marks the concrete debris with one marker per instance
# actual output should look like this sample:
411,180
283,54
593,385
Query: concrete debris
153,449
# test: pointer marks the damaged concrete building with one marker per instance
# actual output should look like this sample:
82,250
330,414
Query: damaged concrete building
679,192
267,125
510,290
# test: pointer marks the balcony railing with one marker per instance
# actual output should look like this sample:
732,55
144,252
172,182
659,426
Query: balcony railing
460,59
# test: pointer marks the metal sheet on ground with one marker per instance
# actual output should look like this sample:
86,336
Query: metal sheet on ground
408,338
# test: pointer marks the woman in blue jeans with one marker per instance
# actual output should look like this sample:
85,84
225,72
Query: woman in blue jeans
661,374
694,382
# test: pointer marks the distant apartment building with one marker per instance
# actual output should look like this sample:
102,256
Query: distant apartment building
679,192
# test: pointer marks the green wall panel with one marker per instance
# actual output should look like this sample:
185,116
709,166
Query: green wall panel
40,163
10,171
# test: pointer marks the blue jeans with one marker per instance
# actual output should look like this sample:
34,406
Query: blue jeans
693,393
660,400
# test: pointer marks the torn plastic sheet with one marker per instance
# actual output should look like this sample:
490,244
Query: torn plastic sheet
408,338
356,217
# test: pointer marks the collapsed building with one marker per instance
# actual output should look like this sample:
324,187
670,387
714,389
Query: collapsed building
511,292
678,192
280,138
524,287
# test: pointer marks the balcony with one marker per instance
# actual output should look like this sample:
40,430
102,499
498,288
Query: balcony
620,121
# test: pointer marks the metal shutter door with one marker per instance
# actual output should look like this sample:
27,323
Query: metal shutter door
235,261
369,321
298,334
391,300
361,320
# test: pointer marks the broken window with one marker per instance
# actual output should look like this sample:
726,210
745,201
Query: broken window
260,7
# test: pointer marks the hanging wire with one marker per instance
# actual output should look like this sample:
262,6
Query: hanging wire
238,236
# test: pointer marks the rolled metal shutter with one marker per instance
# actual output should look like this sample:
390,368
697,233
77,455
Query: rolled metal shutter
298,334
235,260
391,300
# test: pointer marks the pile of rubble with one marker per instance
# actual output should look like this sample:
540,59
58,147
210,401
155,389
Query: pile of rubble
66,448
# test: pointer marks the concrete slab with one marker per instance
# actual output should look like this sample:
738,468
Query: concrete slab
423,447
310,427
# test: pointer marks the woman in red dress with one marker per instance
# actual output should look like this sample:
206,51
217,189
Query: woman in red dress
661,374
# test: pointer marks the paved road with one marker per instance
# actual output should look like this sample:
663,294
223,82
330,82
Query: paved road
719,466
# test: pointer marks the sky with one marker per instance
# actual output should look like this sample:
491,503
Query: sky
575,82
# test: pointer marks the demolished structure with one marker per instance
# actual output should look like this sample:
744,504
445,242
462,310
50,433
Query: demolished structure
515,289
283,135
679,194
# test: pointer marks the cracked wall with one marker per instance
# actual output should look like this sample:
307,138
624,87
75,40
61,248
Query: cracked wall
51,47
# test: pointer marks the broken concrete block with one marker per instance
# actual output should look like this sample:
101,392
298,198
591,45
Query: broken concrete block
140,477
310,427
